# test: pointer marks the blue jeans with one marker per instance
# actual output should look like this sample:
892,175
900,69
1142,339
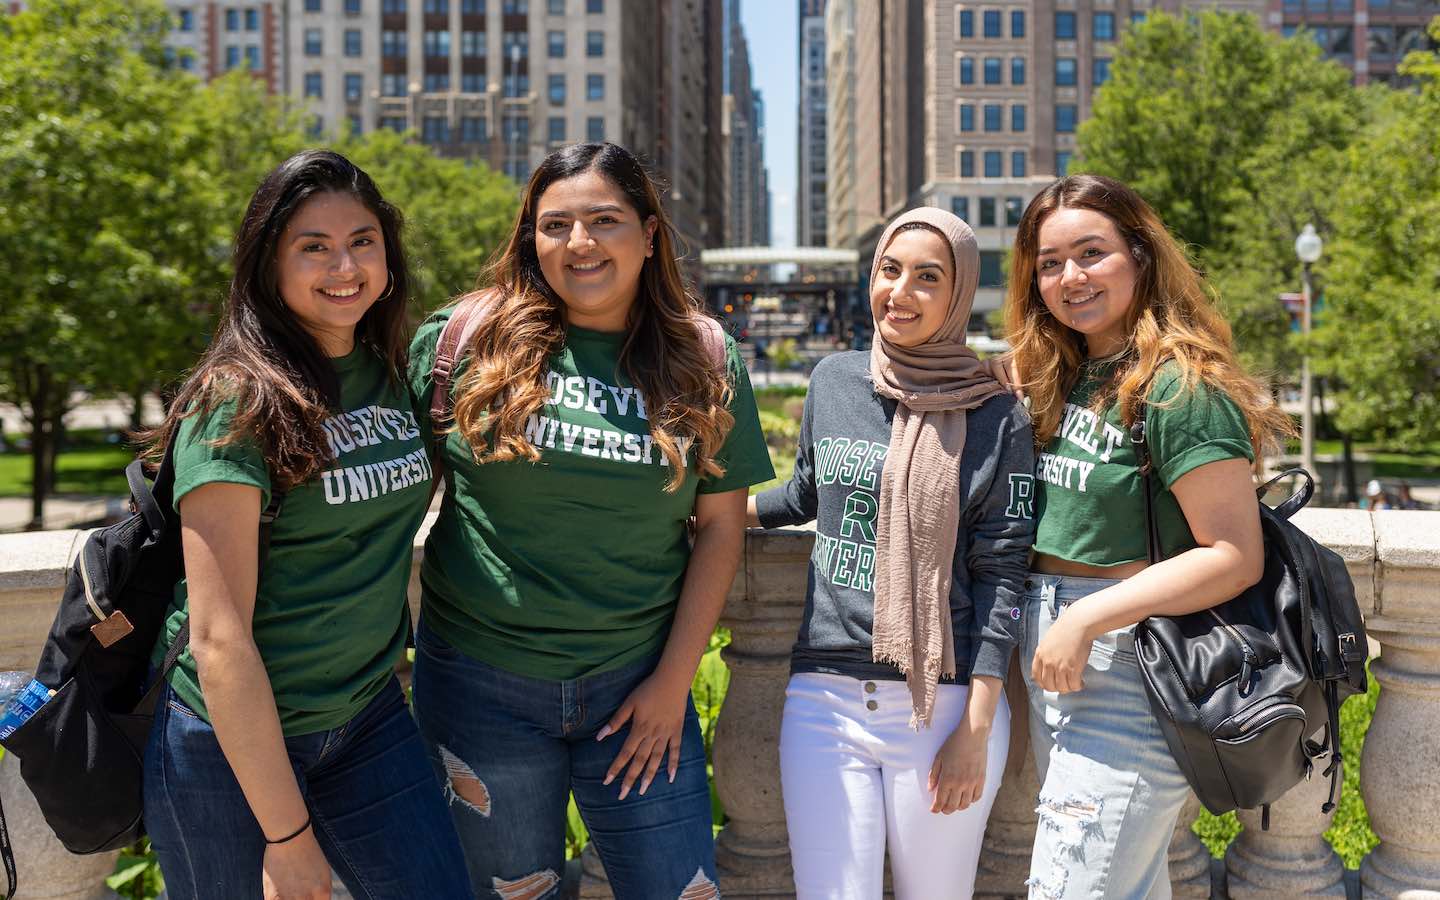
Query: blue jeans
1110,791
376,808
511,749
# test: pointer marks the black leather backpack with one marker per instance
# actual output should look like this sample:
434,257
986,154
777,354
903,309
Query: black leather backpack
81,754
1243,689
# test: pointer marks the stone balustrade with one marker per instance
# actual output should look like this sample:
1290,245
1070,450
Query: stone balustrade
1394,558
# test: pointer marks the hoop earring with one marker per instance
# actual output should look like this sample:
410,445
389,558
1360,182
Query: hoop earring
389,287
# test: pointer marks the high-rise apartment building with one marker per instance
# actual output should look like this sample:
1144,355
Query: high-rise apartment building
810,169
747,221
1368,37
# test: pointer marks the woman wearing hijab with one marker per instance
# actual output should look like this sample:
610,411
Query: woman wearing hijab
917,467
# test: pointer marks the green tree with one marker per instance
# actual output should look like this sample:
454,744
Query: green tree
1232,134
1380,332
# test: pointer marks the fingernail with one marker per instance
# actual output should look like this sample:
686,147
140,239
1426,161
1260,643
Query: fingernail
625,789
672,777
608,779
604,733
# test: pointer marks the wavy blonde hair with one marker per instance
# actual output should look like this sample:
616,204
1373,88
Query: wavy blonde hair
1174,317
686,391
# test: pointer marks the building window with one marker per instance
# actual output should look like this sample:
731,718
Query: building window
392,84
1017,70
435,130
394,123
1064,26
437,82
555,44
515,7
187,62
472,43
472,129
472,7
1065,71
1062,163
232,56
993,168
437,7
555,7
595,129
472,82
1065,118
594,87
555,130
515,85
987,212
516,44
515,129
993,70
991,20
352,8
967,163
967,70
1100,71
557,90
595,6
317,126
314,6
314,84
1017,117
393,8
252,19
437,43
594,43
186,20
1017,23
1104,26
314,42
252,57
992,268
967,117
356,122
1014,206
994,117
353,42
232,20
1137,17
1017,164
392,43
967,23
960,206
354,86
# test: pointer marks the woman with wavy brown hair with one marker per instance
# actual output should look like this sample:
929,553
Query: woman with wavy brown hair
565,604
1108,317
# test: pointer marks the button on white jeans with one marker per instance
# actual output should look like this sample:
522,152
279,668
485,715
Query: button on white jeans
855,782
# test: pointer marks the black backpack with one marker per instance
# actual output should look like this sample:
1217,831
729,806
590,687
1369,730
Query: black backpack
1241,689
81,754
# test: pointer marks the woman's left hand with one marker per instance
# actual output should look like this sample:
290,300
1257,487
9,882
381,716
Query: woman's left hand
1060,659
656,713
957,776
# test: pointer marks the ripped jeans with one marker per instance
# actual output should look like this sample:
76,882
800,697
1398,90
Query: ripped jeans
1110,792
511,749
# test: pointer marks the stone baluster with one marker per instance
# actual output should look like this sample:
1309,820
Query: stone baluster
1400,781
32,576
1189,857
1292,859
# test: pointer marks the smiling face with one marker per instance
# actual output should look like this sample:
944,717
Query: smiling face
331,267
1086,276
912,288
592,244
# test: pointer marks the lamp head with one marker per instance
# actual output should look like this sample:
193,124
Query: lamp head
1308,245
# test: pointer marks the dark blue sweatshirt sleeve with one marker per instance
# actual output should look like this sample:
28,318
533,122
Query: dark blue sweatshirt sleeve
795,501
1001,522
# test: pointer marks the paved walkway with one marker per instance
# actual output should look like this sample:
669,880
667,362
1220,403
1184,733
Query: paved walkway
63,511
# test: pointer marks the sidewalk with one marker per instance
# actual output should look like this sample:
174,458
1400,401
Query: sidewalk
62,511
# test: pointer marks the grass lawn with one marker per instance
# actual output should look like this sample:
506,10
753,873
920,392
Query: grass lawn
1423,462
86,470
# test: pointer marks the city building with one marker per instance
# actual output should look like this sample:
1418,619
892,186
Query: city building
1368,37
810,168
747,191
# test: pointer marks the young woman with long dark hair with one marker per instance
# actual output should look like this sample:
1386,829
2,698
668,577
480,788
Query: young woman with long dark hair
1106,316
565,603
282,746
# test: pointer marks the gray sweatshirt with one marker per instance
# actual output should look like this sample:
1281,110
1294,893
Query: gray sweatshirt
844,436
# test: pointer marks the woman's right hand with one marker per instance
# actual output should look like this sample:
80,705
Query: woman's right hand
296,870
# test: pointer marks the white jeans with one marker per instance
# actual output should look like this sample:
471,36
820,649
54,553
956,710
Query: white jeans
855,779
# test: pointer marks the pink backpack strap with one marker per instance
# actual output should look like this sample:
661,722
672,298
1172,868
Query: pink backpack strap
454,339
713,337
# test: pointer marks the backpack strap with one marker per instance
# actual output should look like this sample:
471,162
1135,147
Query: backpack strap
454,340
1139,440
7,856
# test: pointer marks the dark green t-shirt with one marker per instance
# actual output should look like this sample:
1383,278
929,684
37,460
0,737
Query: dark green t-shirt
330,609
571,565
1091,506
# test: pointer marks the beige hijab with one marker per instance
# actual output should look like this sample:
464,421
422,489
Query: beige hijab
935,383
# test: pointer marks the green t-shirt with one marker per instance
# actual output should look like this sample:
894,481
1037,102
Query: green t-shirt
1091,508
330,609
571,565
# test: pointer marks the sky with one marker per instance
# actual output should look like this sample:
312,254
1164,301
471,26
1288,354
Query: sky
771,29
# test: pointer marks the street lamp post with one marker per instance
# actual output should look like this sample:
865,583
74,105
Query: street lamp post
1307,247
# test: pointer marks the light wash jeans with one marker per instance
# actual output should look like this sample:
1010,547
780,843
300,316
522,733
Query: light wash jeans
1110,792
854,777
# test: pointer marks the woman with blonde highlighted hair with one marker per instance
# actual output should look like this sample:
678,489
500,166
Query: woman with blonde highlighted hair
566,605
1109,320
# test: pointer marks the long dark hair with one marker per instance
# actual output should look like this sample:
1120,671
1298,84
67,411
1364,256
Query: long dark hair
662,354
261,357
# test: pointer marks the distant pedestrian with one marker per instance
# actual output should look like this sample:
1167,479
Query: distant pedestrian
1403,498
1376,496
